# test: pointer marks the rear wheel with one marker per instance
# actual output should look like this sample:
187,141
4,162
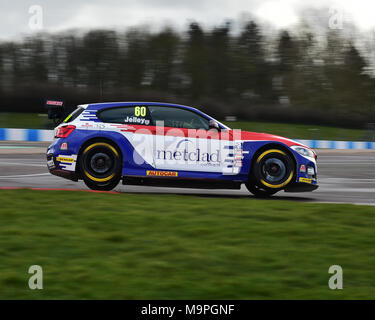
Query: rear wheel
273,170
100,165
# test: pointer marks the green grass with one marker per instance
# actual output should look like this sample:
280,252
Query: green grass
296,131
24,120
302,131
128,246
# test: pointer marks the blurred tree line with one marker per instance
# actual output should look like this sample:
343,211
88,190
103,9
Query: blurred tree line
290,77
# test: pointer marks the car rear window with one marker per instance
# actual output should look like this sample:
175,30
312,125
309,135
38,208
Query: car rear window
74,115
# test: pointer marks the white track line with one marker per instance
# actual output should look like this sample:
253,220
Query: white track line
25,176
22,164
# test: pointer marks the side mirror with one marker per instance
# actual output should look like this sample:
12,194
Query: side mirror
213,125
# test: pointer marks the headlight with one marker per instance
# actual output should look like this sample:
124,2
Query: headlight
304,151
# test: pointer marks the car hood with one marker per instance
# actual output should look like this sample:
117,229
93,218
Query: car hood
255,136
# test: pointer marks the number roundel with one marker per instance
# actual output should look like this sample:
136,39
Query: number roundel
140,111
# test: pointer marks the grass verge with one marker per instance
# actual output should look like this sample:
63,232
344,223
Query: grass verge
302,131
142,246
24,120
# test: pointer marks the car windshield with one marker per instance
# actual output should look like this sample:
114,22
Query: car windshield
223,125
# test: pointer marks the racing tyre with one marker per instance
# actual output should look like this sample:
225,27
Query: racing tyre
100,165
259,192
272,171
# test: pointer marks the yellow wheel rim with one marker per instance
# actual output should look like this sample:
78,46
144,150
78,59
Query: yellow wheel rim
273,186
97,179
269,151
100,144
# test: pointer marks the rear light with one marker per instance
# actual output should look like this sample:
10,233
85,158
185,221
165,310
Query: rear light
64,131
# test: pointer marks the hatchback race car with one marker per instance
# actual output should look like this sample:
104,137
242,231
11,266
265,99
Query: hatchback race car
161,144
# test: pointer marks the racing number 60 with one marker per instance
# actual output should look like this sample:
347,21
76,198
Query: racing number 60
140,111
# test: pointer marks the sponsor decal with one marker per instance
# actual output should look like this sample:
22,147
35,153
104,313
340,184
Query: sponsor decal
123,127
54,103
182,152
67,162
305,180
137,120
195,156
64,146
302,168
238,164
310,171
50,164
87,125
65,159
162,173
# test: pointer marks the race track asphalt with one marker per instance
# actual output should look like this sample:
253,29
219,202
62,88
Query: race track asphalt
345,176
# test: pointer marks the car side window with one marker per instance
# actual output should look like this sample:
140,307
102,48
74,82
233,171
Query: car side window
136,115
178,118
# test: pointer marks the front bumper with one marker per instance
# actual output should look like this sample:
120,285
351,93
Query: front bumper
306,176
301,187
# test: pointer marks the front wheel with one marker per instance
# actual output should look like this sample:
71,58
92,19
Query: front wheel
259,192
272,171
100,165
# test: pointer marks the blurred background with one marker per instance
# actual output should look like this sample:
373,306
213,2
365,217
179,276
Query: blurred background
267,62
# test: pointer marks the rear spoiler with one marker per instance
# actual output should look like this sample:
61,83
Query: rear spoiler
56,110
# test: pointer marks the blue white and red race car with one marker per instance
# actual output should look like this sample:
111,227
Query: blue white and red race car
160,144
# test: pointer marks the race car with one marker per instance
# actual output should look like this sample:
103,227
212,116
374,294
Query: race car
171,145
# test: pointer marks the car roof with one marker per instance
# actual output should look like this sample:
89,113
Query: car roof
103,105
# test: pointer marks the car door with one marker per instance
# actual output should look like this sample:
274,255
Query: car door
184,141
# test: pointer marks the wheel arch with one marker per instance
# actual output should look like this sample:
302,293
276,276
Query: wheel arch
271,145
